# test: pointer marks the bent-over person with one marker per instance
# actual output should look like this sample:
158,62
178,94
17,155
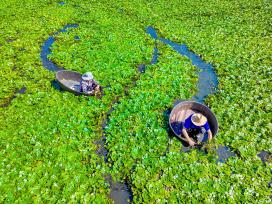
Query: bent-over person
87,84
196,125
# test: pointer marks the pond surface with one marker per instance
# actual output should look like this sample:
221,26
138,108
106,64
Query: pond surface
265,156
224,153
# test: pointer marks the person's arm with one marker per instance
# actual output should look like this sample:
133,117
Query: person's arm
210,134
85,88
189,140
96,85
82,87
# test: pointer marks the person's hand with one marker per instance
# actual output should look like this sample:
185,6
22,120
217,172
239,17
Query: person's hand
192,143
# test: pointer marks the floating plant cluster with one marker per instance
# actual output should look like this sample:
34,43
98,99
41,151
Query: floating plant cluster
50,140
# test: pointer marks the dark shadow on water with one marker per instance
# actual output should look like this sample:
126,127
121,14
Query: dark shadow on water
265,156
22,90
154,60
10,40
141,68
56,85
120,192
102,151
77,37
223,153
9,100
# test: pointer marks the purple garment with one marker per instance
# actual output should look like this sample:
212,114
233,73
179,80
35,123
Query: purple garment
87,86
188,124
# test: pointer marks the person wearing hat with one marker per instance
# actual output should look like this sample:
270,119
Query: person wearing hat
88,84
196,125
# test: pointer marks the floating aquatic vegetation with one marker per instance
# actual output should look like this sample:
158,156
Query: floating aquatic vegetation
48,137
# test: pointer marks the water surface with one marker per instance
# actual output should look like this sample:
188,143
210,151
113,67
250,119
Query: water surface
207,79
46,49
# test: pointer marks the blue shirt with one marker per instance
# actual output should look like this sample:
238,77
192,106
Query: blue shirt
188,124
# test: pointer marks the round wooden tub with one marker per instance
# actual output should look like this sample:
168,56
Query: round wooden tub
186,108
70,81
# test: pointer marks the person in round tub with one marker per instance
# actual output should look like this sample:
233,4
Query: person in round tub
196,125
87,84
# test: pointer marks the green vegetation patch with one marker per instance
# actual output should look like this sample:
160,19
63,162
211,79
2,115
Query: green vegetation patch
48,138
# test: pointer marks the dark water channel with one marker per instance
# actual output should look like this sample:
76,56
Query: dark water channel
207,79
46,49
121,193
207,83
265,156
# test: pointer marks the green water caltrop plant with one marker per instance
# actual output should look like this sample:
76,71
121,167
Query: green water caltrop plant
48,138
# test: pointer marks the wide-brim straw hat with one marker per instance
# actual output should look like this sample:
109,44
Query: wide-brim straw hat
198,119
87,76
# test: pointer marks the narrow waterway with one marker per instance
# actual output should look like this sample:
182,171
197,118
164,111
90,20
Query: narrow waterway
207,83
207,78
119,192
46,49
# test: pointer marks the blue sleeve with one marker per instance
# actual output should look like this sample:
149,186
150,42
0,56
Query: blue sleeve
206,126
81,88
188,123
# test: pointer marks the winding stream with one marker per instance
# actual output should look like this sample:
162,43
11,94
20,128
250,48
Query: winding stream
48,64
207,84
119,192
207,79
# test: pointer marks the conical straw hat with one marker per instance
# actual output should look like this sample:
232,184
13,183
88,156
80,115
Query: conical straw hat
87,76
198,119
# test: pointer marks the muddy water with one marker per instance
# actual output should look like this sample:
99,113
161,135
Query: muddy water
265,156
224,153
